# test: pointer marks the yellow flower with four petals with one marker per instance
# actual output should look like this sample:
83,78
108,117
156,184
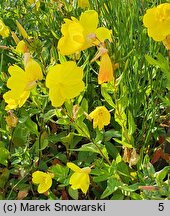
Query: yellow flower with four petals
81,34
43,180
64,82
80,178
157,20
21,83
101,117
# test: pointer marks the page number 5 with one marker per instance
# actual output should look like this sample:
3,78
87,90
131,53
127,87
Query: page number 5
161,207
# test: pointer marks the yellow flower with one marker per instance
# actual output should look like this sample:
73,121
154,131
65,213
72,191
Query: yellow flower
64,82
21,83
157,20
83,3
44,181
4,30
35,3
81,34
80,179
101,117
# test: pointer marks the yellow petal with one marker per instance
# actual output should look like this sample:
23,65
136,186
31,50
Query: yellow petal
43,179
73,167
80,181
102,34
149,18
56,97
85,182
72,39
18,76
45,185
14,100
37,177
89,20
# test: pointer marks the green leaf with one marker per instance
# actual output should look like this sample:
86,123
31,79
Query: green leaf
131,124
20,135
106,96
91,147
112,186
162,63
4,154
31,126
101,178
60,172
162,174
4,177
110,134
111,149
73,193
123,172
47,116
120,116
82,128
117,195
125,144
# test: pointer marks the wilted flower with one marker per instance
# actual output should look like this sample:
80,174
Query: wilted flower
157,20
44,181
64,82
166,42
106,69
80,178
83,3
11,119
130,156
4,30
101,117
21,83
81,34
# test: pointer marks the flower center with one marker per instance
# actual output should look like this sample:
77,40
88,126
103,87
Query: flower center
30,85
91,37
